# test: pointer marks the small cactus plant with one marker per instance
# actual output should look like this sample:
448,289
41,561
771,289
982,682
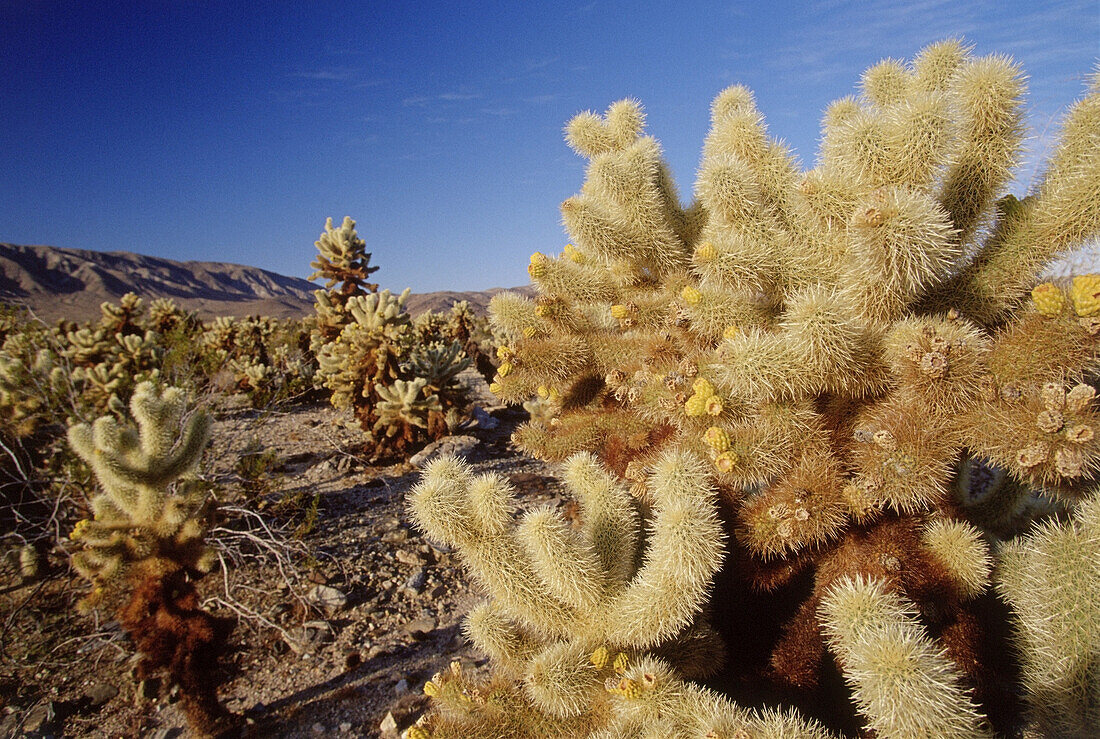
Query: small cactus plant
146,542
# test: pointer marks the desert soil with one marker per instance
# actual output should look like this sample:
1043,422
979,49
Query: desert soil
337,631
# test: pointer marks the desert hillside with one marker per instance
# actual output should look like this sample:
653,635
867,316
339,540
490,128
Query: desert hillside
57,283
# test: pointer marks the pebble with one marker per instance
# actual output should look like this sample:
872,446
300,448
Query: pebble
39,716
408,558
461,447
416,581
345,727
401,687
326,598
420,628
388,727
395,537
100,693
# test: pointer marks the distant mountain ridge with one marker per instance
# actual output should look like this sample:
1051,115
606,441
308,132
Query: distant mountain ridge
57,282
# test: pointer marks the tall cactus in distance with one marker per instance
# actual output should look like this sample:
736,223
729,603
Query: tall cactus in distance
861,352
146,543
343,262
363,343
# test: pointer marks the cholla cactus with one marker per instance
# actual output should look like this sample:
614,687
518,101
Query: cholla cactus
861,352
404,407
342,261
137,517
106,366
439,365
32,382
124,318
165,316
147,534
1051,578
367,356
364,354
566,600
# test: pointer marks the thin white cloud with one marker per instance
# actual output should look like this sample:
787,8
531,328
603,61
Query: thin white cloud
447,97
333,74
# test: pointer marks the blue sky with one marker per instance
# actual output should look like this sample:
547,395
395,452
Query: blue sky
229,131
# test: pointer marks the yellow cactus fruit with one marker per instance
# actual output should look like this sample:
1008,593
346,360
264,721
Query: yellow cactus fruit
543,392
706,252
731,332
627,688
543,311
529,331
1049,299
726,462
78,530
431,689
696,405
494,388
600,658
702,387
691,296
417,732
570,252
505,369
537,267
621,662
619,312
504,353
1086,294
713,406
717,439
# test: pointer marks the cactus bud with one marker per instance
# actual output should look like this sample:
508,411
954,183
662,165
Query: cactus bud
717,439
1078,398
537,267
1086,294
622,661
570,252
1049,299
695,406
726,462
703,388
